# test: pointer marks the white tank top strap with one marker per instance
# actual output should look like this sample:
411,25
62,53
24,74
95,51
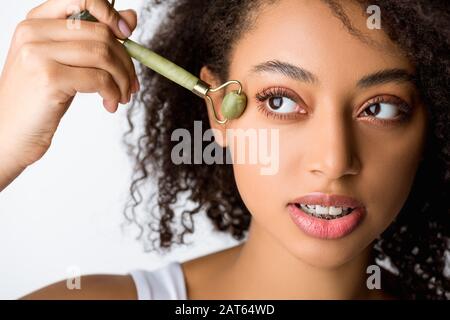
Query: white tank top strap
164,283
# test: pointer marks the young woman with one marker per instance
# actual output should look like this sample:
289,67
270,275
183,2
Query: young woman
361,118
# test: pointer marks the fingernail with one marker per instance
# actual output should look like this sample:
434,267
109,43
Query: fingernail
123,27
110,105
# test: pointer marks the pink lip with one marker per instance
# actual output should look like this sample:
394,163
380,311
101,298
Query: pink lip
327,229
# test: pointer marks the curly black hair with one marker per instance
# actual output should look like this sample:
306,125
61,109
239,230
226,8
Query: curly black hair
196,33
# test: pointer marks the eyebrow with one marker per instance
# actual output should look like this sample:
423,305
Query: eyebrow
297,73
385,76
287,69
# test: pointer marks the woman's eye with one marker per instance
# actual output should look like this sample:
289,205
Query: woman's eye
281,104
387,110
382,110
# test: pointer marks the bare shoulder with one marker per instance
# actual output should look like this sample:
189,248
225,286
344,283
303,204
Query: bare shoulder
201,274
92,287
204,265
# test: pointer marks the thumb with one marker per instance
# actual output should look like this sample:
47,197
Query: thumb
130,18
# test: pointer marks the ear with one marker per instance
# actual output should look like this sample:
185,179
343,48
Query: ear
210,78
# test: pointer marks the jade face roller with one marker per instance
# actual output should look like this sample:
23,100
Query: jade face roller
234,102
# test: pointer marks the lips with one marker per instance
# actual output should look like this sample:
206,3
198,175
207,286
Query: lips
325,228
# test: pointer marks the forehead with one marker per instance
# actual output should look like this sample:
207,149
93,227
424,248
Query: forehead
309,34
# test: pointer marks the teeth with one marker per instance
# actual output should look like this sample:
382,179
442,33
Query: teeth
321,210
328,212
335,211
308,208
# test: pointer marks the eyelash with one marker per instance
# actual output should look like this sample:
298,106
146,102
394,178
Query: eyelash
264,95
404,109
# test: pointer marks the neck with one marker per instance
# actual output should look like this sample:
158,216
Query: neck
264,269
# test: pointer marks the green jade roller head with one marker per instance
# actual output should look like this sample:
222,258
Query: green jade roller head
234,102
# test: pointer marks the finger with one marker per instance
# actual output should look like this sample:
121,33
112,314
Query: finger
89,80
90,54
43,30
100,9
130,17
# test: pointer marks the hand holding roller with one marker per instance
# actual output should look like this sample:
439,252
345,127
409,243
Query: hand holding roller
234,102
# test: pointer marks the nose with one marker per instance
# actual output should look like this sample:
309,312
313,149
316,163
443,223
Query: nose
332,146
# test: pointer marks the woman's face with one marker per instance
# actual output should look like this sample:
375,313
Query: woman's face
341,129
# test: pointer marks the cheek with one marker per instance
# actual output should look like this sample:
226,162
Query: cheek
256,190
388,174
262,193
260,180
391,176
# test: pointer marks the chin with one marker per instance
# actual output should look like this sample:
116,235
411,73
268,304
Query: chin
327,254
